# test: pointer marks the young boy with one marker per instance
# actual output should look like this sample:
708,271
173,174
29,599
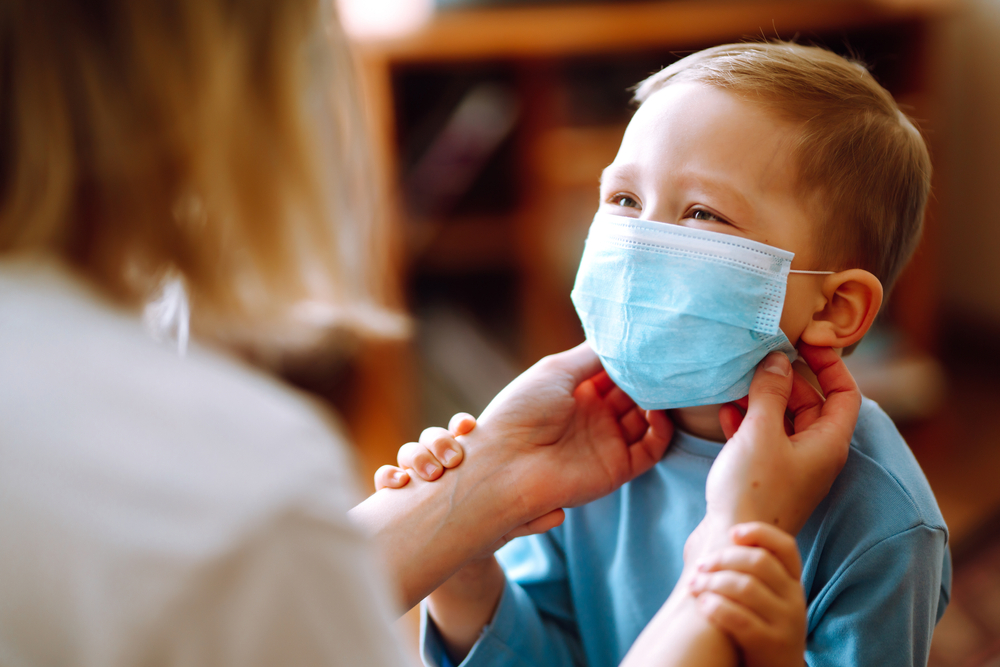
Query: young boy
738,156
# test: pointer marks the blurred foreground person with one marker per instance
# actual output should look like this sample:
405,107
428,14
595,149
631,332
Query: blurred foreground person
195,167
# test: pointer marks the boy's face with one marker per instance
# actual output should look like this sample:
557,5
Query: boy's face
698,156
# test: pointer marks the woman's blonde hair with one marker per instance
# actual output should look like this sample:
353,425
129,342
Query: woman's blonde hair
856,148
217,141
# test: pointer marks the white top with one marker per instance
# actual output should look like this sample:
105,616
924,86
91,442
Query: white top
164,510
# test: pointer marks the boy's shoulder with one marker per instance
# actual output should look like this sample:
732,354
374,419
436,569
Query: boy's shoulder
877,544
879,523
882,469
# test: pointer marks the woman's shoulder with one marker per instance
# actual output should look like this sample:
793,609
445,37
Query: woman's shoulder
76,367
122,459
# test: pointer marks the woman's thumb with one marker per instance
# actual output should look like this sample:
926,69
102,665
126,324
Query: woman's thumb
770,389
580,362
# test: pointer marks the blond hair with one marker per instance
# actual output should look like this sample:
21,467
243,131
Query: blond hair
863,156
200,139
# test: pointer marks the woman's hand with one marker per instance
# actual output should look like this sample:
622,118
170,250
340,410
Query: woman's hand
783,456
560,435
572,435
436,451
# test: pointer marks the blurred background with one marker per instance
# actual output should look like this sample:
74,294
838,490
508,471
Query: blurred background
492,121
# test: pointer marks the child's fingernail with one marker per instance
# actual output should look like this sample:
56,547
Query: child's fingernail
430,469
397,476
778,364
449,456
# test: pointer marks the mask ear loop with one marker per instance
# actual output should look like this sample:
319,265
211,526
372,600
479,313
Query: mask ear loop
813,273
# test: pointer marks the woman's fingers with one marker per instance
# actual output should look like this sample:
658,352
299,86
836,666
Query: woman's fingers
542,524
730,419
620,402
644,454
603,383
770,389
633,424
805,403
390,477
843,399
578,364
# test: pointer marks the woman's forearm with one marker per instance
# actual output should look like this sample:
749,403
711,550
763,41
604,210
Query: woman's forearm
679,636
427,531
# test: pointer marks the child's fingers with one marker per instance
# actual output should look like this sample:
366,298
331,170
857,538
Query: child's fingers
443,446
743,589
390,477
542,524
416,457
751,561
782,545
736,621
461,424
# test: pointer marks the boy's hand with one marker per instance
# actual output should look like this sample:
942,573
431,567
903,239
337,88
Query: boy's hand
437,450
751,591
773,470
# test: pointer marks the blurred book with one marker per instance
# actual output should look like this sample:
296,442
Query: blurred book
474,130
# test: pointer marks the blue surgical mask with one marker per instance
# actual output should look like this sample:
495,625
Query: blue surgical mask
680,316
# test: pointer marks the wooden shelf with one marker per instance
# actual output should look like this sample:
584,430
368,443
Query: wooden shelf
545,32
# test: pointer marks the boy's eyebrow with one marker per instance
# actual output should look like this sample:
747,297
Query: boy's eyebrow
724,189
626,172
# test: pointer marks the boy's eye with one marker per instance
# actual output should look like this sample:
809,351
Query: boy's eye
702,214
624,201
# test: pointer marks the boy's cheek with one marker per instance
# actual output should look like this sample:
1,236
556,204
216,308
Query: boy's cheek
803,299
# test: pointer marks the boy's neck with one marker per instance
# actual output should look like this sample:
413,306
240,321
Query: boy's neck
701,421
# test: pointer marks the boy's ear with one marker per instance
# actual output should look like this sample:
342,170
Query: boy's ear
852,299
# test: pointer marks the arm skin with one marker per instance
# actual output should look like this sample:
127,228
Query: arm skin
560,435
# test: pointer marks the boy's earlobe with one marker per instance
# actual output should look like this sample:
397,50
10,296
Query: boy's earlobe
852,300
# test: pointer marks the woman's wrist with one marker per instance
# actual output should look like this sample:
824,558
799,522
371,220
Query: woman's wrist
679,636
427,531
711,534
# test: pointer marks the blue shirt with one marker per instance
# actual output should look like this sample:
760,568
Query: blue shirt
876,567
